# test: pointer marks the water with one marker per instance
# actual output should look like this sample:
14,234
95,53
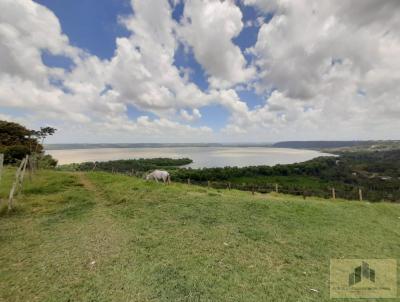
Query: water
203,157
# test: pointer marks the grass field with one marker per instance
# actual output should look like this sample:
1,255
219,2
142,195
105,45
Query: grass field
104,237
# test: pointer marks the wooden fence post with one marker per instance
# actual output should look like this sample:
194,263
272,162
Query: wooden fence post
188,181
333,193
15,185
252,190
94,166
1,164
1,169
22,174
276,188
208,184
29,163
229,185
35,162
360,195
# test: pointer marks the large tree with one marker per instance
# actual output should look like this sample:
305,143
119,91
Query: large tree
16,141
12,134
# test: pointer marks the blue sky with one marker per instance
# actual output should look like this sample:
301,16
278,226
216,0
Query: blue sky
91,24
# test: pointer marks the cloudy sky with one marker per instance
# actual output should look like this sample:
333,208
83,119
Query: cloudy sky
202,71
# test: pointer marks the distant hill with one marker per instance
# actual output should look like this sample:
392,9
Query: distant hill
342,146
320,144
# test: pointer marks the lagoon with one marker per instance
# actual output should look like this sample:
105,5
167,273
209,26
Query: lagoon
203,157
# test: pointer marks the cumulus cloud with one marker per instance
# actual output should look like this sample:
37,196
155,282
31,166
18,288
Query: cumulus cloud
25,29
209,27
190,117
331,64
95,93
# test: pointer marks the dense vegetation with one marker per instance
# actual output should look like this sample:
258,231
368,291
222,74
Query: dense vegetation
130,165
102,237
16,141
377,173
319,144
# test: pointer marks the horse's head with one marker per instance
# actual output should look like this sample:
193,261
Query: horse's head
147,177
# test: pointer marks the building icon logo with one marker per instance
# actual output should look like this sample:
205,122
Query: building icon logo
363,278
362,272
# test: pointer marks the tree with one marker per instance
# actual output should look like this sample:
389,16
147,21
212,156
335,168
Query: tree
16,141
43,133
12,134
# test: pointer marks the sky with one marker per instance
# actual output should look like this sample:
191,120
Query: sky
202,70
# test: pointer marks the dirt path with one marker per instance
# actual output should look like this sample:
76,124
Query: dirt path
67,257
103,234
88,185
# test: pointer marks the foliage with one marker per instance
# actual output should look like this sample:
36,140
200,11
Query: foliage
13,154
46,162
44,132
16,141
137,165
320,144
377,173
12,134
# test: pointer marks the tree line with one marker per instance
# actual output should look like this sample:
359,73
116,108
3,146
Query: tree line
130,165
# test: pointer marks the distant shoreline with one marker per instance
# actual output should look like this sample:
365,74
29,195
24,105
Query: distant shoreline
151,145
205,156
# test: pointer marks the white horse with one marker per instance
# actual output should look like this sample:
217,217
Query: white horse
159,175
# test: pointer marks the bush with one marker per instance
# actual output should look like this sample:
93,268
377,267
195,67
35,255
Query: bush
46,162
13,154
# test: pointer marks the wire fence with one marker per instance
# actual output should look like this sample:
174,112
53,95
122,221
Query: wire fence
345,191
27,164
348,192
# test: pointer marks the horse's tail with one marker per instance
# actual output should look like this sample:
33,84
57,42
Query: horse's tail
169,179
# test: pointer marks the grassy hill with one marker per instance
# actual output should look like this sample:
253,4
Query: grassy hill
104,237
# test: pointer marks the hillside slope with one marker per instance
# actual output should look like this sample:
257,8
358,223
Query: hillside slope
104,237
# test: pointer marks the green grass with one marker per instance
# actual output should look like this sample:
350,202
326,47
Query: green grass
103,237
293,180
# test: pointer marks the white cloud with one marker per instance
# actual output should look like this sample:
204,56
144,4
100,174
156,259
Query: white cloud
190,117
318,56
95,94
25,30
209,27
142,70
